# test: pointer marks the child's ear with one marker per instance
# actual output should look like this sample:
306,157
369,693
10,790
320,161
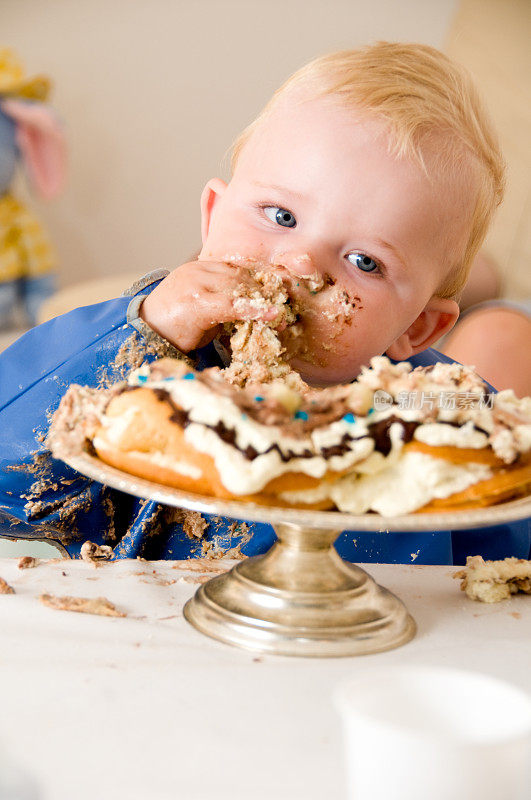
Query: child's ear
438,317
209,197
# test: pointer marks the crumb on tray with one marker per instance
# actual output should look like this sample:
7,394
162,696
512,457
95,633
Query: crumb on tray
5,588
83,605
492,581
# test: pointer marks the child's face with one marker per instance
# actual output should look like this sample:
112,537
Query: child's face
316,190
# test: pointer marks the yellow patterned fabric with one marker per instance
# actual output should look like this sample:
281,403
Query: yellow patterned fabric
13,81
25,250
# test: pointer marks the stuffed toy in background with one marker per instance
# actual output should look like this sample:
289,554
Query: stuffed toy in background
29,133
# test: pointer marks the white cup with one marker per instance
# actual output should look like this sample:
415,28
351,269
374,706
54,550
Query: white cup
423,733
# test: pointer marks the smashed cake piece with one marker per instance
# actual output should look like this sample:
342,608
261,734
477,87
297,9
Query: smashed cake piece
27,562
78,417
256,352
83,605
5,588
492,581
95,553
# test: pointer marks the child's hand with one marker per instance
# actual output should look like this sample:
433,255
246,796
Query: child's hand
190,304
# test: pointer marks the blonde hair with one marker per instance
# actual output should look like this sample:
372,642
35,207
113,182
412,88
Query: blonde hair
421,94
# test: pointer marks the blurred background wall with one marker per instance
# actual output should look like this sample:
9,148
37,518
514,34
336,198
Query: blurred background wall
493,39
153,92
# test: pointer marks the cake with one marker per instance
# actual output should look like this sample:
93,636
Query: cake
391,442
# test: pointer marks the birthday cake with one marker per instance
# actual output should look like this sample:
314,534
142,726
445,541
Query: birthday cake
397,440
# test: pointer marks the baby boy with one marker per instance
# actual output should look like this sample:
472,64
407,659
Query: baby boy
376,169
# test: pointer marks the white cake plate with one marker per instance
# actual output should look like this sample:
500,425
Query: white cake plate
300,598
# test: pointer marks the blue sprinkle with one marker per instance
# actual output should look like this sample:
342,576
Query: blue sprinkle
142,378
169,378
189,376
258,398
301,415
244,416
370,411
349,417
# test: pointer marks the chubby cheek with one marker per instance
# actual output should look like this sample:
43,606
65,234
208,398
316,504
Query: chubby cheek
329,322
336,356
343,331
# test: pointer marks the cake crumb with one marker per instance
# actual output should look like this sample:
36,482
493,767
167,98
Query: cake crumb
27,562
257,354
94,553
194,525
493,581
195,578
83,605
201,565
155,577
5,588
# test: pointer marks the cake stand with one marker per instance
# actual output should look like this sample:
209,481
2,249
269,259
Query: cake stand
300,598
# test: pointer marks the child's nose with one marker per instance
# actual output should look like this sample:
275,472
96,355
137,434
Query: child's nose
298,263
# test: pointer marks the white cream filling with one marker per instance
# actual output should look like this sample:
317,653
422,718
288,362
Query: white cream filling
406,485
441,435
243,476
522,437
374,463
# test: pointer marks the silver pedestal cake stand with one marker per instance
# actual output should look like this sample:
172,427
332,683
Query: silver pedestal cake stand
300,598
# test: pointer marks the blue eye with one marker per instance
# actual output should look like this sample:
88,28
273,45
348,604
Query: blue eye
281,216
363,262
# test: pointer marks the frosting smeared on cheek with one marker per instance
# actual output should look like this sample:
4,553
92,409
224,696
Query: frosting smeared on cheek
323,320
